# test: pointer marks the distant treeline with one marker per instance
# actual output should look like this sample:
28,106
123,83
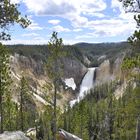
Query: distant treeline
79,51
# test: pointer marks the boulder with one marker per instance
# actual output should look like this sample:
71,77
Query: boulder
16,135
31,132
67,136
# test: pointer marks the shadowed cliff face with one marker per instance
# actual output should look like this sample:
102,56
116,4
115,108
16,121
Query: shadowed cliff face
74,68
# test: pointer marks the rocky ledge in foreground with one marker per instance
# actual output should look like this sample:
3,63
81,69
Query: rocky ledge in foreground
67,136
17,135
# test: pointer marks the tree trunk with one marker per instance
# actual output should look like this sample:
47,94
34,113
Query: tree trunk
81,126
21,110
1,109
138,129
54,114
1,114
9,112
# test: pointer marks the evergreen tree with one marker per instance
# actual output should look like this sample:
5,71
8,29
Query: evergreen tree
9,15
134,7
27,114
54,71
23,97
4,83
103,117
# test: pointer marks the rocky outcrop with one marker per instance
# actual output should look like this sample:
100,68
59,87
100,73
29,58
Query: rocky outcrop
67,136
108,71
31,132
27,63
103,72
17,135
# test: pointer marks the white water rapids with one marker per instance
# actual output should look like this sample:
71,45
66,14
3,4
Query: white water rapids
86,85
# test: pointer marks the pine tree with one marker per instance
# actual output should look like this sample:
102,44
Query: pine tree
9,15
4,83
133,6
54,71
26,114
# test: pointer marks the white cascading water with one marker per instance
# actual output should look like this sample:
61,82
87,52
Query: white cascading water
87,84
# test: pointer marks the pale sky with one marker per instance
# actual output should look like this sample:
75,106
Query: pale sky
75,21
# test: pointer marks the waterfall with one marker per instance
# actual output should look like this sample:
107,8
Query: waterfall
86,85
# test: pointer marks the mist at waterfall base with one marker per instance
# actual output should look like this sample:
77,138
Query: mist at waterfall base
86,85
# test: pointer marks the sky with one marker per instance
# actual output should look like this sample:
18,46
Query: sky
91,21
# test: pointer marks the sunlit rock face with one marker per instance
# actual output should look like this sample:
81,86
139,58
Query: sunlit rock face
17,135
117,72
103,72
109,71
27,63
